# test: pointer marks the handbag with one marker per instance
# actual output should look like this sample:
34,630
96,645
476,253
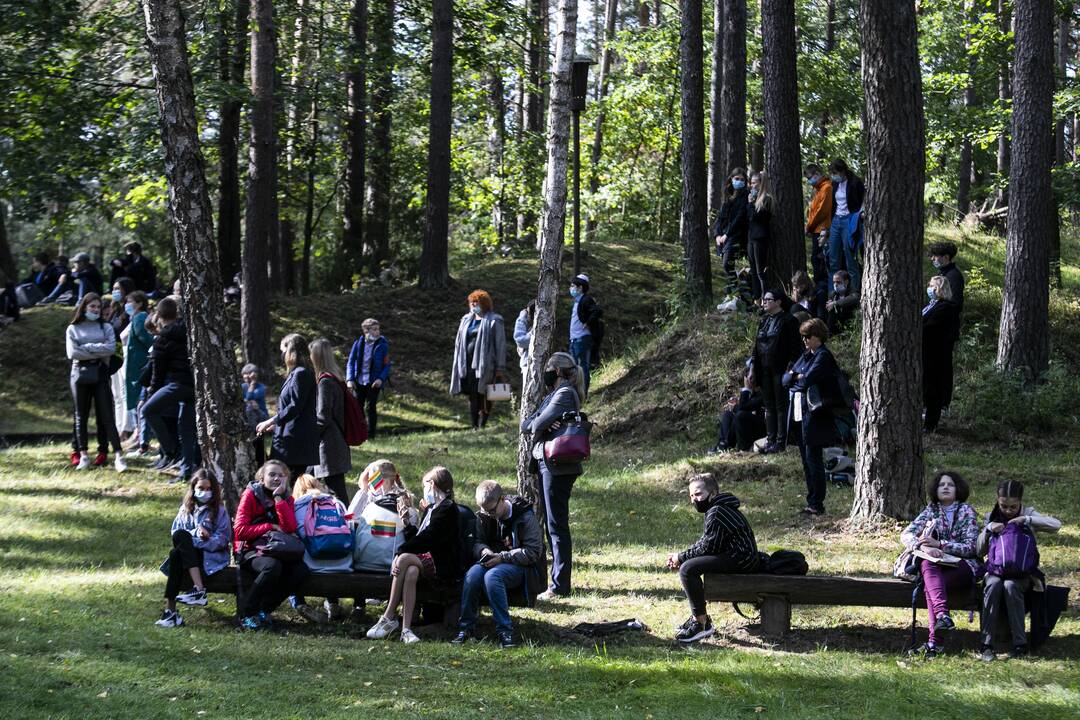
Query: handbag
570,443
498,392
814,401
906,567
88,372
281,545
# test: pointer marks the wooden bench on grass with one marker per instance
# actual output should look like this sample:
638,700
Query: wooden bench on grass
775,594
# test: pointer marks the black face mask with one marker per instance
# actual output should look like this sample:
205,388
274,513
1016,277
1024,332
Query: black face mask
702,505
550,376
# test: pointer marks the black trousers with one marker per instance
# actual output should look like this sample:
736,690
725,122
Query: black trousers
739,429
182,558
758,255
730,254
479,408
369,398
557,489
274,581
100,394
690,573
775,397
336,485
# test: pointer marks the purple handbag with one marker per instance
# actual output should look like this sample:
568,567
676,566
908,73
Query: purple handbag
570,443
1012,553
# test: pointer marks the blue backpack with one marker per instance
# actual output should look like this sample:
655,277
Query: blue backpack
326,533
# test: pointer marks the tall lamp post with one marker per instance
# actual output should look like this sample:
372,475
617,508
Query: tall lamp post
579,87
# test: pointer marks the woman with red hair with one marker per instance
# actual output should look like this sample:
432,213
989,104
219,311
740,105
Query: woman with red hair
479,355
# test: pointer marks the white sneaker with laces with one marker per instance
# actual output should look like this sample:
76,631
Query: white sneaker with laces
120,465
333,610
132,454
408,636
383,628
195,596
170,619
84,462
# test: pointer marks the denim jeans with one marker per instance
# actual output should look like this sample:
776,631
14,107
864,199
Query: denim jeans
170,398
842,257
557,489
494,583
581,349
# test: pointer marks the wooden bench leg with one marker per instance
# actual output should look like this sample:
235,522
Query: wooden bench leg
775,615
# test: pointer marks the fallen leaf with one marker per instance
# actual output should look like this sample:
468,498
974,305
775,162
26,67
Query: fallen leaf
103,694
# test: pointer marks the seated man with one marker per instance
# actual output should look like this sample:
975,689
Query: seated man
743,419
727,545
44,275
509,551
843,302
135,266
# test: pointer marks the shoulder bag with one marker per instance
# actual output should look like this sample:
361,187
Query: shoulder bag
281,545
88,372
570,443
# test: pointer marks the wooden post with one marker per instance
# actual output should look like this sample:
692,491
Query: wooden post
775,615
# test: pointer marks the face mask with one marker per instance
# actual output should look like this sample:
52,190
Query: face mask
753,194
372,338
930,293
836,179
702,505
840,287
738,184
117,295
429,495
575,293
92,316
203,496
550,376
812,181
936,263
476,309
129,308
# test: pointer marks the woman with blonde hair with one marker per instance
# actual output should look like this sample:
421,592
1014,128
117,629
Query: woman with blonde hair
940,330
310,496
758,232
295,427
335,458
566,382
479,355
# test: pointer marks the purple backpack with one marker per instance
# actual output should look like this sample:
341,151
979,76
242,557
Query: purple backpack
1012,553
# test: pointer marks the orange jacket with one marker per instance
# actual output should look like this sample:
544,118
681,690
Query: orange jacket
819,217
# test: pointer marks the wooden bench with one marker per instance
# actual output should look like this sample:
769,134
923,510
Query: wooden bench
775,594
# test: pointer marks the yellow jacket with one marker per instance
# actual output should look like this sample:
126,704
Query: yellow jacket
819,217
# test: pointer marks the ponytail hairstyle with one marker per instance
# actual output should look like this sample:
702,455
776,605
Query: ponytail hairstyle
441,478
295,351
1006,489
566,368
763,198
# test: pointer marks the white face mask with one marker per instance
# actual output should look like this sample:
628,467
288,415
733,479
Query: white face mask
203,496
429,495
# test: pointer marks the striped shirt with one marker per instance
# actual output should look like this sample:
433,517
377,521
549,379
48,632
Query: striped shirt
726,533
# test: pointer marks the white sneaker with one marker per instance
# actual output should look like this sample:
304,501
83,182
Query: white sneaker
120,465
193,597
136,453
170,619
333,610
383,628
408,636
84,462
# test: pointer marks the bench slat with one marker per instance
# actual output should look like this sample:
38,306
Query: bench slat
345,585
821,590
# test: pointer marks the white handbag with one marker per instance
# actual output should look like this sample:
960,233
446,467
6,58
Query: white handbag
498,392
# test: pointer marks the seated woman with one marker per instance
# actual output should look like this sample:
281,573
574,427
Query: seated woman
950,526
265,506
308,493
743,419
430,551
200,538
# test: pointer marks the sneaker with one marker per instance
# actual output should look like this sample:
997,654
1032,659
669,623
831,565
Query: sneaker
120,465
84,462
197,596
772,448
101,460
382,629
944,622
928,650
75,458
170,619
333,610
358,616
695,631
462,636
717,450
138,452
812,512
251,622
987,654
264,619
547,596
506,640
685,624
408,636
161,462
311,614
1018,652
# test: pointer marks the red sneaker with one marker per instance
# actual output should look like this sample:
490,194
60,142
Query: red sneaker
101,460
75,458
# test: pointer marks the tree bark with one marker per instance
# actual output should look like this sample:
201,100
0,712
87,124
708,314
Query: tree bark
963,185
311,157
889,473
733,95
382,95
260,216
552,227
692,225
9,272
1023,343
434,256
536,49
830,45
352,237
218,406
232,55
496,147
598,133
1004,12
717,172
782,162
1062,62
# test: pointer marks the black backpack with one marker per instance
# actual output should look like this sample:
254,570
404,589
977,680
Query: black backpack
466,537
787,562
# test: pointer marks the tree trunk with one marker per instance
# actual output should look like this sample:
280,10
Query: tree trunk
260,216
218,406
830,45
598,133
1062,83
733,95
1023,343
382,95
311,156
692,225
232,54
782,163
434,256
1004,12
889,473
9,272
299,88
536,49
552,227
352,237
963,185
496,146
717,172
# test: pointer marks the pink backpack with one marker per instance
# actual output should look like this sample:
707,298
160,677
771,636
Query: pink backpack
326,532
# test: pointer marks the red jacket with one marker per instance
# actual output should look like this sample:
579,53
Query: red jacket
254,519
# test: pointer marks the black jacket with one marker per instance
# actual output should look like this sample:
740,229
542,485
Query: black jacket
169,361
297,436
758,222
440,538
726,532
140,270
90,278
940,327
47,278
818,428
956,283
588,312
732,218
519,540
778,343
856,192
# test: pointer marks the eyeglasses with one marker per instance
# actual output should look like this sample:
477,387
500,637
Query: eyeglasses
768,299
493,509
807,337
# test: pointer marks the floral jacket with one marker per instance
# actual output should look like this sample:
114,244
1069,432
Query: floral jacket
959,539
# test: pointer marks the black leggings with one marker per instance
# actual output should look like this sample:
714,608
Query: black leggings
479,408
690,573
369,397
274,581
182,558
336,485
100,394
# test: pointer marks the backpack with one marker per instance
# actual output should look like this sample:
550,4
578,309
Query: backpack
356,429
1012,553
326,533
787,562
466,537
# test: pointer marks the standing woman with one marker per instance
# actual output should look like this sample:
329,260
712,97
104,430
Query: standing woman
295,427
730,227
90,343
137,342
814,429
334,457
368,369
567,381
479,355
758,233
777,346
940,328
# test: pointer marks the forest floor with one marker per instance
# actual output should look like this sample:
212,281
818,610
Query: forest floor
79,552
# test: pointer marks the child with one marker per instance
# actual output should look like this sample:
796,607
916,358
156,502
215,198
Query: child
307,490
430,551
200,535
1009,511
254,407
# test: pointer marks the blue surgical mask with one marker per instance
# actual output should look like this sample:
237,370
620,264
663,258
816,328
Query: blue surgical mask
117,295
203,496
812,181
738,184
575,293
130,308
930,293
836,179
429,495
476,309
840,287
753,193
936,263
92,316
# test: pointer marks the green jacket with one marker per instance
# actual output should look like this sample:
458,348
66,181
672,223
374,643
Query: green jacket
136,353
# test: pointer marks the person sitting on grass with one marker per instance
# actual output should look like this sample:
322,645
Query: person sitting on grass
843,302
307,490
727,545
265,506
742,421
200,538
509,553
430,551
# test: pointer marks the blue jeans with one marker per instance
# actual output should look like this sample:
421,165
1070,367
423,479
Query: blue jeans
166,401
842,257
581,349
557,489
813,461
494,583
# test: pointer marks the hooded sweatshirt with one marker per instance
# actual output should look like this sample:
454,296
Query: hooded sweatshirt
378,533
726,533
